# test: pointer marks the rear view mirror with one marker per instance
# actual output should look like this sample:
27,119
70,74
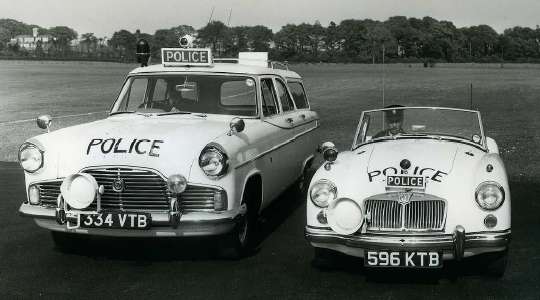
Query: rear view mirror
186,87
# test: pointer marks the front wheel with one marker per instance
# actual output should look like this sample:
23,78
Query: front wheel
242,239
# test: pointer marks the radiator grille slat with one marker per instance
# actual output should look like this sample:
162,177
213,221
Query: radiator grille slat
416,215
144,191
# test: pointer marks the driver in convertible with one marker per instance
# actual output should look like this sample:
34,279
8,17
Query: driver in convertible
394,121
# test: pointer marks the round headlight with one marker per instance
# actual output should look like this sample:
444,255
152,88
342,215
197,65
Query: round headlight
176,184
213,162
489,195
30,157
322,192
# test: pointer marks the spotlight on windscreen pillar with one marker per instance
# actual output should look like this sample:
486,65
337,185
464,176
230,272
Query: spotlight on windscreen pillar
143,52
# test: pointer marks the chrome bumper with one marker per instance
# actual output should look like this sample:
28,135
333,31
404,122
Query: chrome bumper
191,224
458,245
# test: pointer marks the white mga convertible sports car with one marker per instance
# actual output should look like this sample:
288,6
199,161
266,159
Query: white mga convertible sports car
420,185
192,147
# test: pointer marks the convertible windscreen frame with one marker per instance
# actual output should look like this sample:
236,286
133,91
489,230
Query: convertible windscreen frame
447,137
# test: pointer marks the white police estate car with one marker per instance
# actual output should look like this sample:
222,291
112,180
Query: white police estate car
191,147
420,185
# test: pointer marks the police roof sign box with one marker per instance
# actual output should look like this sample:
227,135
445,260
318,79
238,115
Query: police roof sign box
186,57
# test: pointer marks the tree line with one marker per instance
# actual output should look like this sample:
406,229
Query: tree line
398,39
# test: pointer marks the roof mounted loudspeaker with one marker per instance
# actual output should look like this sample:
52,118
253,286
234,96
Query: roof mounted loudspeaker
253,59
143,52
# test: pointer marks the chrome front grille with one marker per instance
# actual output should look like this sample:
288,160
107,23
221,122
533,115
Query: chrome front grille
144,190
420,213
48,192
384,214
425,215
198,198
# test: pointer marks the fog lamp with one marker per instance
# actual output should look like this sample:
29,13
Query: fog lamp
33,195
490,221
176,183
344,216
79,190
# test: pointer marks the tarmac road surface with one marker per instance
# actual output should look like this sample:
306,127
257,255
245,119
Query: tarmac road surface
30,266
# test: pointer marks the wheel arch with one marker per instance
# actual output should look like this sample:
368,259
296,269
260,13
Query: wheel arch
254,183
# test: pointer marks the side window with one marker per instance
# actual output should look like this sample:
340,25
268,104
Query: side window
286,101
269,105
299,95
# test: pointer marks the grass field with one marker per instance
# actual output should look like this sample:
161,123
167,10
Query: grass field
507,97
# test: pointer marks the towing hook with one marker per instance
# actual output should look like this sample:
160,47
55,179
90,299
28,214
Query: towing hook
174,213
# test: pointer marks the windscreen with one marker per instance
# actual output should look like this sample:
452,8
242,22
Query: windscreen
209,94
421,122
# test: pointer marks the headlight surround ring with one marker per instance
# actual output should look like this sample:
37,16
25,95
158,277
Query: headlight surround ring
213,161
30,157
322,192
487,190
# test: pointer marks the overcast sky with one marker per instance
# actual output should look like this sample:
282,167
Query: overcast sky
103,17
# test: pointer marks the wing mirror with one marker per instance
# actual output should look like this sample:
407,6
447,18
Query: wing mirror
44,122
237,125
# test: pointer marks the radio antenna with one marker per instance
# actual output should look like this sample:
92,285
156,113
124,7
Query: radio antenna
383,75
229,19
211,15
470,97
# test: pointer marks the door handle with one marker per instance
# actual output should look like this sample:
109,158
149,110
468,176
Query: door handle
303,116
289,120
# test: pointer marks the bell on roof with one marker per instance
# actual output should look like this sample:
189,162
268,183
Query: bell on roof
143,52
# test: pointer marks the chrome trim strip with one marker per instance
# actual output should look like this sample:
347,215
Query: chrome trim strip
397,241
274,148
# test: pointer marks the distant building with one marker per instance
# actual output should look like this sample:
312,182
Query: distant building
30,43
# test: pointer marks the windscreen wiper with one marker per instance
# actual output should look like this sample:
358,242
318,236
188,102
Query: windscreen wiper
121,112
175,113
